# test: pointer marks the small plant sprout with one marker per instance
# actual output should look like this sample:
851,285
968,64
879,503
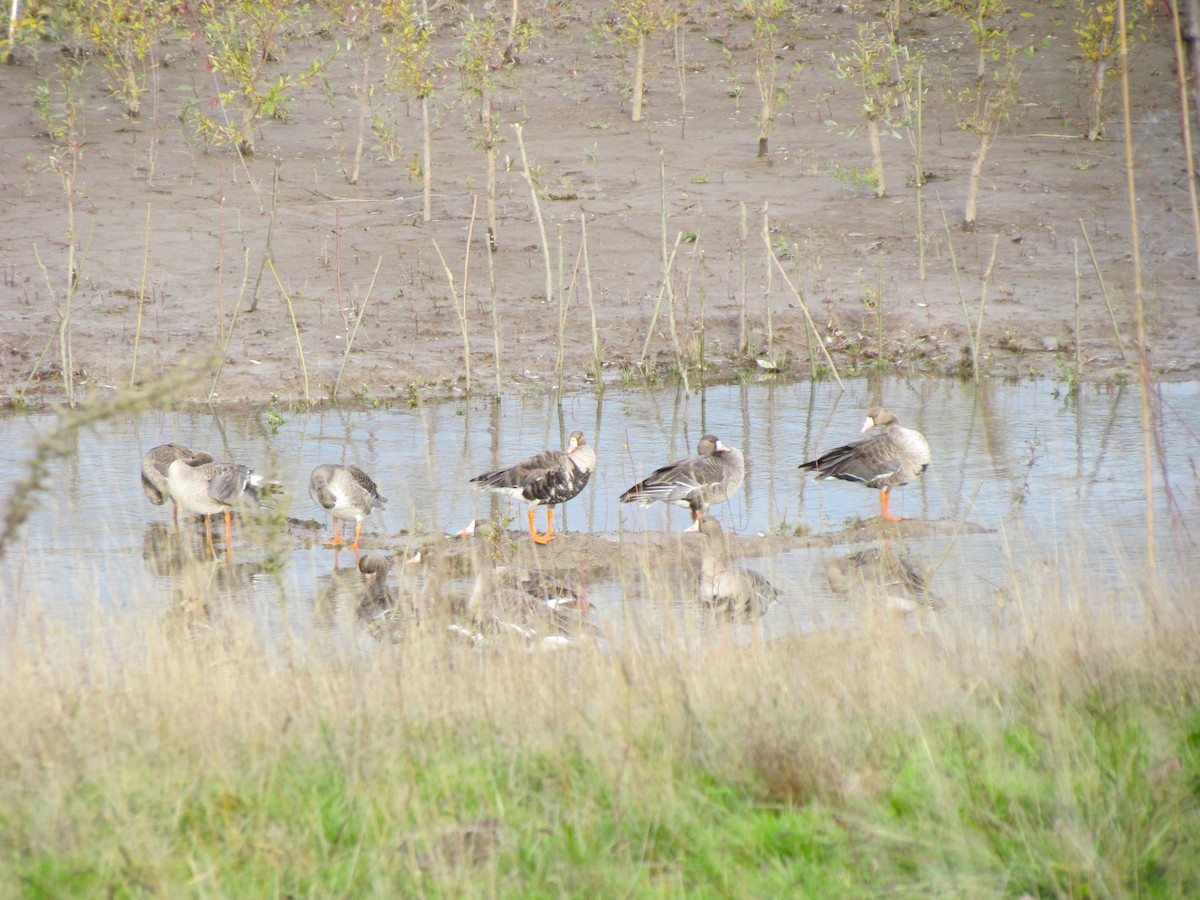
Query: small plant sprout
245,39
1097,39
639,21
767,15
410,71
885,75
125,34
488,48
989,100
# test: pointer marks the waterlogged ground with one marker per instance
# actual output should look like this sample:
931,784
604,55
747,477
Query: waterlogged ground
1024,480
172,237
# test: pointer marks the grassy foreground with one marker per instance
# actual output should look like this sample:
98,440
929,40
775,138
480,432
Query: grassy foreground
1056,753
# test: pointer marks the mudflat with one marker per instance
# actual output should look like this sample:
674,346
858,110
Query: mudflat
173,237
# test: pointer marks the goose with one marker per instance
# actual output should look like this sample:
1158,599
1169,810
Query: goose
207,489
736,592
348,494
530,606
888,459
884,574
547,479
713,475
379,606
154,472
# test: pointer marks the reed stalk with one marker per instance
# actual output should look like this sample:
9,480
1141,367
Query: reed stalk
491,264
137,334
662,291
962,297
743,239
212,391
597,363
807,316
537,209
1112,316
1078,298
354,333
766,233
1139,302
983,286
1185,120
295,330
270,234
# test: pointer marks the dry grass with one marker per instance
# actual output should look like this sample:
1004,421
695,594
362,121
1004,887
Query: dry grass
1055,753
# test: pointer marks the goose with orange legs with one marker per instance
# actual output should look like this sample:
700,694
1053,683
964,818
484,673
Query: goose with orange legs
212,488
547,479
713,475
888,459
154,472
348,494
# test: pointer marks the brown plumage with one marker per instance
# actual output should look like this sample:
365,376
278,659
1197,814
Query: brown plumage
348,494
736,592
713,475
154,472
885,460
550,478
212,488
881,573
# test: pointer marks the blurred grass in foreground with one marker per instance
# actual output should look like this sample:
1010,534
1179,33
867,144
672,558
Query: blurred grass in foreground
1056,754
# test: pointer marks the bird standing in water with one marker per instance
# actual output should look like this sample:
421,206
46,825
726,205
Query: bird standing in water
348,494
713,475
888,459
550,478
154,472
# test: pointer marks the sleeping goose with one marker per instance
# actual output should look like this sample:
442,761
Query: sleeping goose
550,478
713,475
530,607
738,593
208,488
154,472
880,573
348,494
885,460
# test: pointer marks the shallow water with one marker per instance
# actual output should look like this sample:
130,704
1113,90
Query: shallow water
1057,481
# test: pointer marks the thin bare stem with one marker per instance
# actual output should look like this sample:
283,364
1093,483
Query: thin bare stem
597,364
295,329
270,231
537,210
137,334
962,297
983,286
354,333
1112,316
1078,298
1135,247
212,391
807,317
1185,120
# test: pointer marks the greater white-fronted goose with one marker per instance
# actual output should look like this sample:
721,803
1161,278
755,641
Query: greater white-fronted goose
530,606
736,592
880,573
379,607
713,475
891,458
212,488
154,472
550,478
348,494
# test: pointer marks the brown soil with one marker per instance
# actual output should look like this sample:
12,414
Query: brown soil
210,211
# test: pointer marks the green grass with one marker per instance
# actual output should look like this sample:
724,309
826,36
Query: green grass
1059,757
